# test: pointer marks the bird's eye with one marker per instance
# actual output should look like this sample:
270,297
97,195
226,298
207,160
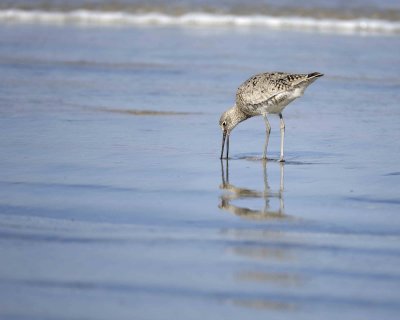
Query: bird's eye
224,123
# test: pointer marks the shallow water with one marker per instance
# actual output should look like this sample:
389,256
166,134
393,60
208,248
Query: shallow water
114,203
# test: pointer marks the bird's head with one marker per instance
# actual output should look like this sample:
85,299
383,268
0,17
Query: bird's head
228,121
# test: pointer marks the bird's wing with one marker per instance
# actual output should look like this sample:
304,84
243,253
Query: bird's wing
265,86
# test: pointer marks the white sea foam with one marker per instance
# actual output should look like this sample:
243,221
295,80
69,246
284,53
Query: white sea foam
86,17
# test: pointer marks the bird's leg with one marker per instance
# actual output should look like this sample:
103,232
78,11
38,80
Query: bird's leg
268,131
282,136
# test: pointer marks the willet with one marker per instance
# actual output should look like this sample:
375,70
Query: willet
261,95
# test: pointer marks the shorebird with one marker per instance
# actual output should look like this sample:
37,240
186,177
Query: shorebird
261,95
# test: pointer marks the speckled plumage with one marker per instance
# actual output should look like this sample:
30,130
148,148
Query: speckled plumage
263,94
266,93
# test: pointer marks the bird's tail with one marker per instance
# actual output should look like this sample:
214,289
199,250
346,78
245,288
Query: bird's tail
314,75
311,77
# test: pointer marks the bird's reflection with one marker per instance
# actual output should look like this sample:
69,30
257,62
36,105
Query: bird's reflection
233,192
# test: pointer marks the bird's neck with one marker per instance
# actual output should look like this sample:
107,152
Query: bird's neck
237,115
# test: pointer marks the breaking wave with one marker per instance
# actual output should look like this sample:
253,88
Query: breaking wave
90,17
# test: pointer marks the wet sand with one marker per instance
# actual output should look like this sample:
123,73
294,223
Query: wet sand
114,202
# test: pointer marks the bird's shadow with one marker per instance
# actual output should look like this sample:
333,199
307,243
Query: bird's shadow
232,193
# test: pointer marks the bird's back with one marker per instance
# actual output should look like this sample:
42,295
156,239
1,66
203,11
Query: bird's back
271,91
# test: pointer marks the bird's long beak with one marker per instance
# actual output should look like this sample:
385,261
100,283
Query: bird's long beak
223,144
224,135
